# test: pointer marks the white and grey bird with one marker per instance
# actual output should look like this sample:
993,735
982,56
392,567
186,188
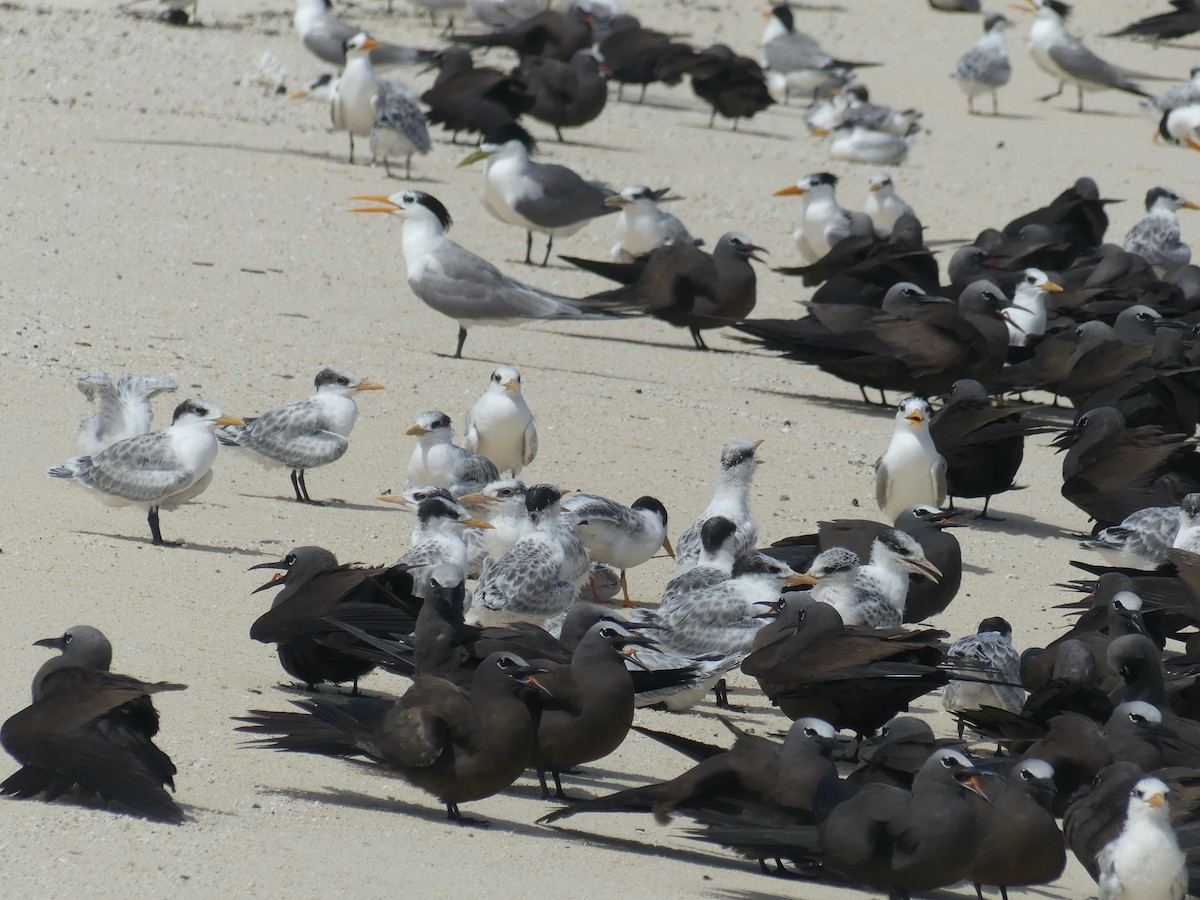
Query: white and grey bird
859,110
822,221
467,288
730,499
852,142
990,657
617,535
304,435
411,500
830,575
502,505
122,410
1156,237
911,470
503,13
876,593
499,424
438,460
1178,96
399,129
797,56
433,7
642,226
549,199
325,36
161,469
985,68
438,539
1026,315
1063,56
536,580
884,205
1187,538
1180,126
1142,539
1144,862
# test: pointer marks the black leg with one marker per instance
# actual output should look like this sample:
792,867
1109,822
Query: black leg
351,147
408,167
304,489
558,790
529,248
1052,96
541,773
387,169
984,515
883,398
558,134
697,339
642,97
1080,90
462,339
155,533
296,486
549,244
712,118
458,818
862,390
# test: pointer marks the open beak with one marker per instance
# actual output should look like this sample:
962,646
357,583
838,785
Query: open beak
1065,440
926,569
753,249
477,523
276,581
228,420
367,385
969,779
916,418
416,431
666,545
474,157
792,190
528,675
389,205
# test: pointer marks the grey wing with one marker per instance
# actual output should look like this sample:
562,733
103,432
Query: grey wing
883,483
479,470
1078,61
144,387
1151,233
141,469
94,383
328,41
589,507
795,51
531,444
984,66
687,548
689,588
470,432
522,580
566,199
295,435
387,55
397,110
938,472
428,553
459,284
675,230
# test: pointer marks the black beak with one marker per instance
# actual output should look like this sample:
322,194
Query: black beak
1065,440
528,675
274,564
54,643
1169,323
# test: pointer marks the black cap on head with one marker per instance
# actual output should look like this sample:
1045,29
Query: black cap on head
1063,9
195,407
995,624
783,13
509,131
653,504
541,496
431,203
715,532
436,508
330,375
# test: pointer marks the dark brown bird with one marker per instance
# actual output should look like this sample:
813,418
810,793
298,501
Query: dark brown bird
642,56
684,286
548,33
565,94
734,86
315,588
464,98
1019,842
1075,216
456,744
1111,471
1182,20
898,752
983,446
92,730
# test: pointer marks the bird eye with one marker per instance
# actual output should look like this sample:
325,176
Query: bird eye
1145,317
885,730
607,633
810,732
1134,717
290,559
496,377
947,761
800,618
67,637
1025,775
1083,421
504,662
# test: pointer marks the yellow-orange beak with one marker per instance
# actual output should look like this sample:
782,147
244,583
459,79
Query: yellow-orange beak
391,498
389,205
1052,287
667,546
477,498
792,190
368,385
228,420
477,523
1188,204
1156,800
369,44
916,418
1191,142
1024,7
511,384
801,578
416,431
819,132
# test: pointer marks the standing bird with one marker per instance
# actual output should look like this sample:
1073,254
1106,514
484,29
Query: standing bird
822,221
989,655
884,205
360,99
90,728
1156,237
438,460
798,57
324,35
457,283
985,68
565,94
617,535
641,226
164,468
123,408
398,129
1062,55
550,199
911,470
304,435
730,500
1143,859
546,33
466,98
734,86
499,425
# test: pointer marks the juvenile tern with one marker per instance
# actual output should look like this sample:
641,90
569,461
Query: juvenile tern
1141,541
457,283
123,409
822,221
412,498
1142,858
536,580
985,68
988,653
884,205
859,110
499,424
730,500
550,199
618,535
438,460
399,128
162,469
1156,237
1180,95
502,505
360,100
1187,538
1063,56
438,540
910,471
853,142
1026,317
642,226
304,435
325,36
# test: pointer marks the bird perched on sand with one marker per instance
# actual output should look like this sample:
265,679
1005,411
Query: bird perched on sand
1156,237
399,128
884,205
304,435
618,535
910,471
642,226
988,654
985,68
500,425
730,500
164,468
123,409
822,221
360,100
438,460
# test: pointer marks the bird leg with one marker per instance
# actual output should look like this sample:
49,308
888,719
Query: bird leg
528,248
1052,96
862,390
541,773
296,486
408,167
155,533
549,244
883,398
721,695
627,603
558,134
458,818
712,118
978,891
642,96
559,793
351,134
697,339
387,170
970,105
304,488
995,104
1079,108
984,515
462,339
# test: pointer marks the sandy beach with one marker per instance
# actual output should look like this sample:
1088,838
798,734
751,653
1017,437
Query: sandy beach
166,212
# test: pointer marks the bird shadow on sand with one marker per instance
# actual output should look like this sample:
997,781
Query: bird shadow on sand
186,545
749,132
1017,524
1011,117
242,148
843,404
586,145
643,343
327,503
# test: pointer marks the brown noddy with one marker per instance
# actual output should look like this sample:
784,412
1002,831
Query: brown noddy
547,33
456,744
466,98
565,94
315,588
896,754
90,728
734,86
642,56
